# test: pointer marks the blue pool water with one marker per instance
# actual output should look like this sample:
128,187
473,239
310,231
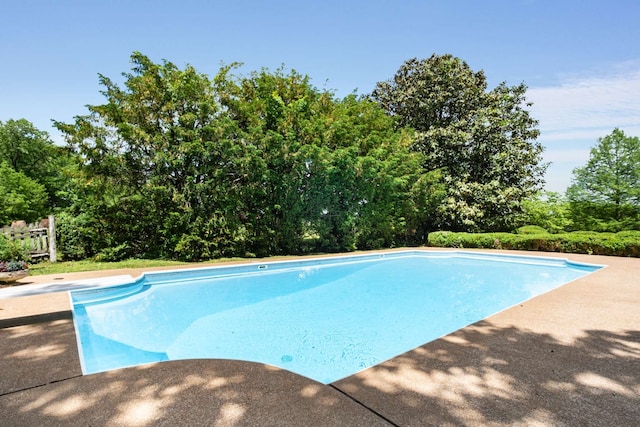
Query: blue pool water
322,318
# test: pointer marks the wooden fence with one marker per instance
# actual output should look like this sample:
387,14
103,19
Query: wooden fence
39,237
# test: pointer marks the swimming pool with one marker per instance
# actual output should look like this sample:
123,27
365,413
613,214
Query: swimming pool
323,318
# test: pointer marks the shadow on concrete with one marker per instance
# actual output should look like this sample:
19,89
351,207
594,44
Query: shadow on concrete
37,350
480,375
34,319
489,375
41,385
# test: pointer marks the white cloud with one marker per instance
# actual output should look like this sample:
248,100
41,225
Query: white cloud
581,109
584,107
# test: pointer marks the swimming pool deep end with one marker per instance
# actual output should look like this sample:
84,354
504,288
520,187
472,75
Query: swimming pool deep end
322,318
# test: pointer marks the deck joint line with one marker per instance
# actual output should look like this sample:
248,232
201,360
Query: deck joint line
363,405
39,385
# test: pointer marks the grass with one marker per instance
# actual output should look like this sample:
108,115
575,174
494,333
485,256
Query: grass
46,267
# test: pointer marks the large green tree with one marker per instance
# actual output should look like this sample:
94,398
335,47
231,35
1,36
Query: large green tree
160,162
25,148
482,142
605,193
21,198
30,151
179,165
335,174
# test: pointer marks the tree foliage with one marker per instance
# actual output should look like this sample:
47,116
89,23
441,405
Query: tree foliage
31,182
605,193
548,210
482,142
176,164
30,151
334,171
21,198
25,148
158,161
13,254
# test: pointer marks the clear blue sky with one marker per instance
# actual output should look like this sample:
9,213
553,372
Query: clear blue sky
580,58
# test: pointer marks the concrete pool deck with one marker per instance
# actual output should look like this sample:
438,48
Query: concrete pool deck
568,357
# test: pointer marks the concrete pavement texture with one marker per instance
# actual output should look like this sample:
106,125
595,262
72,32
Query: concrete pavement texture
568,357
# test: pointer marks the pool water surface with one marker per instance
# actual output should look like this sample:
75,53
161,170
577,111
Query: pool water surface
324,318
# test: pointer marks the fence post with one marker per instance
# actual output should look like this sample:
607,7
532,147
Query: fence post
52,239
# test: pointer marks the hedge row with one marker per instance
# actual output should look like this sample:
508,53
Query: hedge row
624,243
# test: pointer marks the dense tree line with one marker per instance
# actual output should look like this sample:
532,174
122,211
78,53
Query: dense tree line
604,195
179,165
176,164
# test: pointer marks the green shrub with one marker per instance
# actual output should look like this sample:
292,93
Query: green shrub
531,229
21,197
548,210
625,243
634,234
13,250
73,237
113,254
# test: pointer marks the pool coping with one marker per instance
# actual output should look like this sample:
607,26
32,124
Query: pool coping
473,376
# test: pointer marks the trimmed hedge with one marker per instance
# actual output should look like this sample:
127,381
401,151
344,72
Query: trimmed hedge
624,243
